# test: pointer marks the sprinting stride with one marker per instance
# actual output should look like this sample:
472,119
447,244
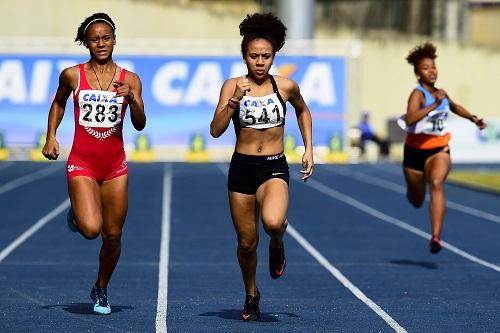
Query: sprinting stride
97,169
258,173
426,151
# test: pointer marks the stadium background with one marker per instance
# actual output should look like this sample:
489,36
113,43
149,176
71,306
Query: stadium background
183,49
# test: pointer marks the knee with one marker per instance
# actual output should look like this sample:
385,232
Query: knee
89,231
247,248
274,224
436,184
112,240
415,201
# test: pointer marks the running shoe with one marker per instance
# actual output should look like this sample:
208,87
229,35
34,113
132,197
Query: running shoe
251,310
435,244
100,298
277,261
70,219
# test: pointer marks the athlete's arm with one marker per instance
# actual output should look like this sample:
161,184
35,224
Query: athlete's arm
67,81
223,111
304,121
414,112
462,112
131,89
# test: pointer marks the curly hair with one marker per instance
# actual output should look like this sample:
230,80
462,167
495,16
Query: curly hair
426,50
265,26
97,17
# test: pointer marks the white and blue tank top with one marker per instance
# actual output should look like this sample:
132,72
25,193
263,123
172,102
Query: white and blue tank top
435,122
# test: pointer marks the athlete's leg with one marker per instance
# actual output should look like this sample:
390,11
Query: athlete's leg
244,215
272,198
415,186
436,171
85,199
114,196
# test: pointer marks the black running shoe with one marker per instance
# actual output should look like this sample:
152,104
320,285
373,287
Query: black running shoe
251,311
277,261
435,244
100,298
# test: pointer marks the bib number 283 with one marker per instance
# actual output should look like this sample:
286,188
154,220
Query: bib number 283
100,115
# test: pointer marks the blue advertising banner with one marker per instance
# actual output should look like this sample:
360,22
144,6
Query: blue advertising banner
180,94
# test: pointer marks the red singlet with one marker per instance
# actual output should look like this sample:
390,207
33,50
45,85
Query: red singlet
97,150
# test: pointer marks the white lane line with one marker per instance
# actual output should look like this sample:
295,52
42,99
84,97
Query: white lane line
161,307
342,279
402,189
335,272
28,178
389,219
34,228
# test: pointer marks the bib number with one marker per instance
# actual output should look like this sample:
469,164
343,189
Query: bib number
261,117
436,124
95,114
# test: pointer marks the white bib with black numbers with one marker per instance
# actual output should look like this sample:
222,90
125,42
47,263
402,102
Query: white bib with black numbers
99,108
261,112
434,123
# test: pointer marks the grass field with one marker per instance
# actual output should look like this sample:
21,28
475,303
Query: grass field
483,179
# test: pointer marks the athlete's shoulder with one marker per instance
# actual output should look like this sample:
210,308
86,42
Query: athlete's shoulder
231,82
286,84
418,92
284,81
69,76
130,75
72,70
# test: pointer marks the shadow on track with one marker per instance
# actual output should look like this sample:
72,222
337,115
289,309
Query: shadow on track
407,262
234,314
84,308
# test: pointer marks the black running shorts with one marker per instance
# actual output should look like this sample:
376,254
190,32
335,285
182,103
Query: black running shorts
248,172
414,158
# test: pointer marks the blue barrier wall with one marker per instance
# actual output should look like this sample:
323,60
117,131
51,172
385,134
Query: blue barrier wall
180,94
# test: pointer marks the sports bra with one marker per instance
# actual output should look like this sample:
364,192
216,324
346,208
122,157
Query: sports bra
261,112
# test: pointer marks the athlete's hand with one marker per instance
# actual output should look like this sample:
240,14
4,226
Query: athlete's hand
123,90
307,165
439,95
242,86
51,149
480,123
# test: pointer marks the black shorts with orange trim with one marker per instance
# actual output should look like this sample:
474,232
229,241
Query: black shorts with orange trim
414,158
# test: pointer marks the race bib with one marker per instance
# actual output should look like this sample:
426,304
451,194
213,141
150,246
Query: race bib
99,108
435,123
261,112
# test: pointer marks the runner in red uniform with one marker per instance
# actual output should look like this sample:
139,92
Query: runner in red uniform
97,170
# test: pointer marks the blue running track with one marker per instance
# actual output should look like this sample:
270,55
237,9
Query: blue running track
357,253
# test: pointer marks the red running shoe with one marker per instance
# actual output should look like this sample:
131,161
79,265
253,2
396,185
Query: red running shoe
251,311
435,244
277,261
